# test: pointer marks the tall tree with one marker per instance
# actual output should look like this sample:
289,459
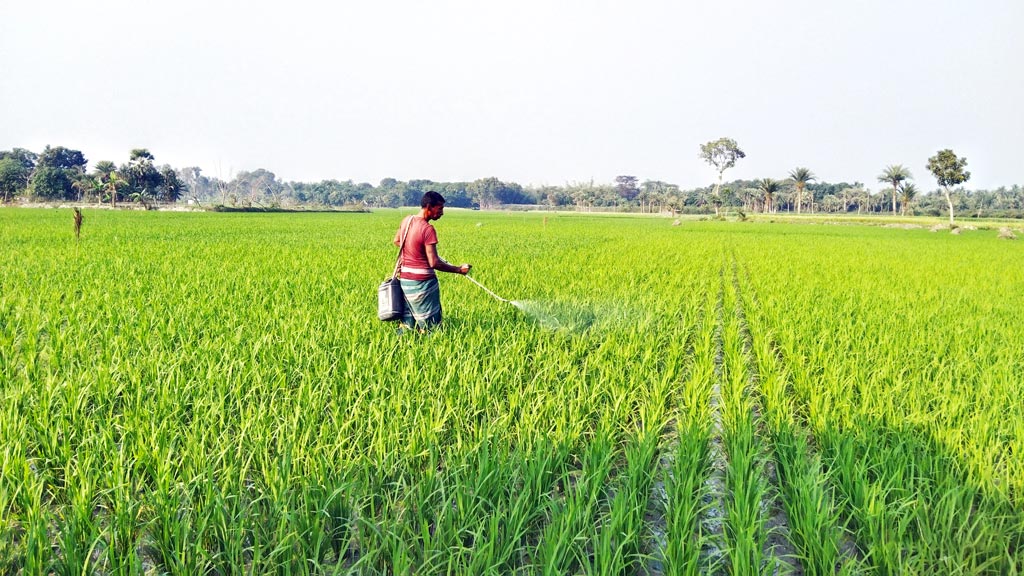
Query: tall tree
948,170
24,157
626,187
114,184
173,188
102,174
894,174
97,187
142,179
801,176
57,170
722,154
262,186
14,177
103,169
583,194
82,185
201,188
484,191
654,191
63,158
768,188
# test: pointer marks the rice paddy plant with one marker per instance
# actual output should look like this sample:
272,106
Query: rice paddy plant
619,544
746,488
211,393
579,502
686,478
814,527
685,484
893,402
81,538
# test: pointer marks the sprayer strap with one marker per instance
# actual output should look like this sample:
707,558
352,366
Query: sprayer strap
407,223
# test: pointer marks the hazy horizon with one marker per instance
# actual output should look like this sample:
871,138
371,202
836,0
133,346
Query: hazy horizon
531,92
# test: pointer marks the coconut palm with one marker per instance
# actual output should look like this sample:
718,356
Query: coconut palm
894,174
113,184
907,193
769,188
801,176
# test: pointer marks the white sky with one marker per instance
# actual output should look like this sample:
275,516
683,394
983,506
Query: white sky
531,91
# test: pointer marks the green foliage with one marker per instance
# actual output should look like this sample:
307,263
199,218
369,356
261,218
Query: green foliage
948,169
172,188
103,169
907,192
26,158
13,177
894,175
56,173
62,158
260,189
141,179
49,183
768,188
490,192
722,153
801,176
627,187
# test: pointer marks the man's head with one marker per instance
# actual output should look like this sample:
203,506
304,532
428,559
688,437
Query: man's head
433,204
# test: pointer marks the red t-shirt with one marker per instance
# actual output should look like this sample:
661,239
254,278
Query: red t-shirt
415,265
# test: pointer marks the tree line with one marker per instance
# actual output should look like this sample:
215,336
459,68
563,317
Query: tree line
60,174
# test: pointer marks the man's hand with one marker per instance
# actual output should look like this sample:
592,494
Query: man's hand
464,269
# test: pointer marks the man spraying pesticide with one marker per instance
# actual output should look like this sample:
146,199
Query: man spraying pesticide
415,269
418,261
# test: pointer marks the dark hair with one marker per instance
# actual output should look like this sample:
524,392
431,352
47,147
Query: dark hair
431,198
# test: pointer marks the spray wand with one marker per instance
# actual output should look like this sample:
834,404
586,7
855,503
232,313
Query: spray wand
473,280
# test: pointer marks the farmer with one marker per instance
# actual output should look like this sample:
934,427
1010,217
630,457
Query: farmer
419,261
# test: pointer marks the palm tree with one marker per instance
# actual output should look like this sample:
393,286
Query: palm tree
80,185
801,176
103,170
114,182
172,187
894,174
907,193
768,187
97,187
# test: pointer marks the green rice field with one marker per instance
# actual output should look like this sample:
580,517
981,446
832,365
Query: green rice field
212,393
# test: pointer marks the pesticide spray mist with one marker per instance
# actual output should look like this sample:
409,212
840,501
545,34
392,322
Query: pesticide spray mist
554,316
549,315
